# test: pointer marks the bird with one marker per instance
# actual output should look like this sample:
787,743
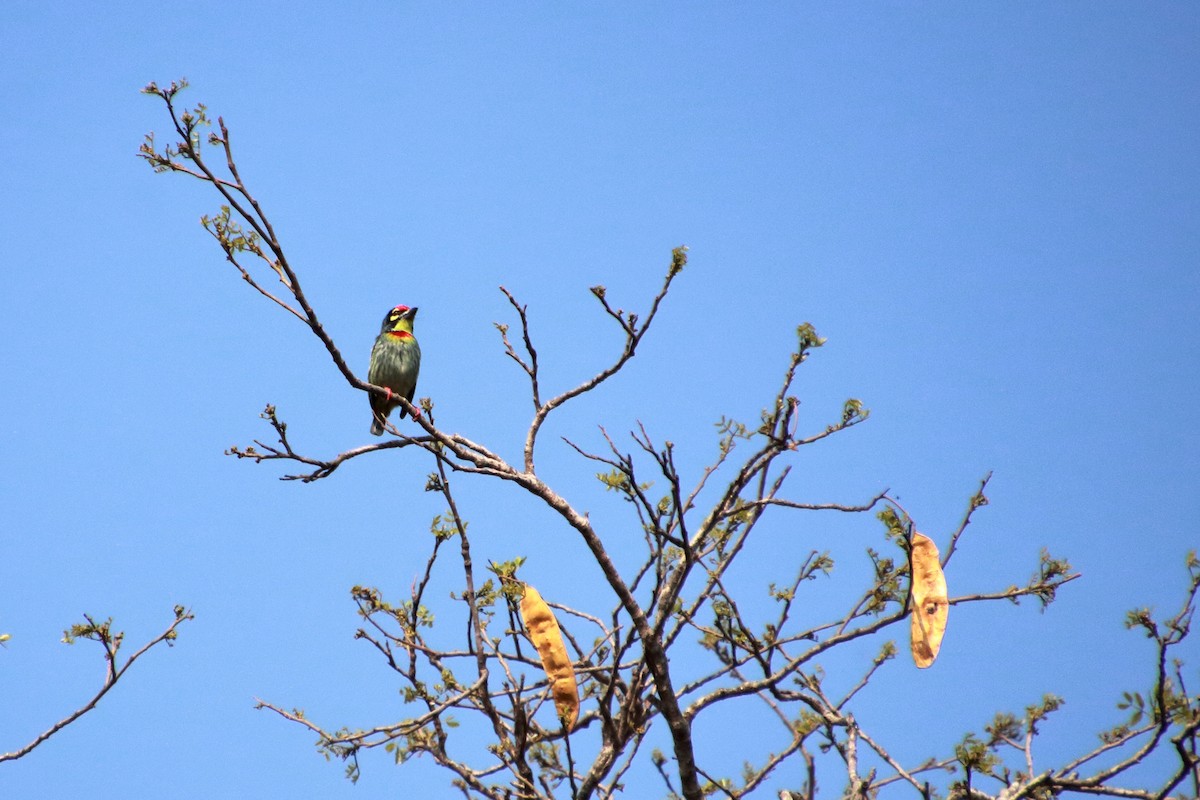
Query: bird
395,361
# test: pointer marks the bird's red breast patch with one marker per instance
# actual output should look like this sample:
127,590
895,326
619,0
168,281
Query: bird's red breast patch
400,334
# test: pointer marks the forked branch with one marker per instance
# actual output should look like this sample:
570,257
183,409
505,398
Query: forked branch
102,633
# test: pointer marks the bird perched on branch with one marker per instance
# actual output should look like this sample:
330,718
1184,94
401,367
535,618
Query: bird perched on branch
395,361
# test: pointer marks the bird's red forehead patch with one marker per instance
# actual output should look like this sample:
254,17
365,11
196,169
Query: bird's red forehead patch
401,309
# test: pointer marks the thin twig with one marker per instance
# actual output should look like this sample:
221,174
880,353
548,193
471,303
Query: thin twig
113,673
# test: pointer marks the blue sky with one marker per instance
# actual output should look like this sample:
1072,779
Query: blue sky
990,210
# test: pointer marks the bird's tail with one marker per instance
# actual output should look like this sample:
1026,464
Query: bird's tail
376,426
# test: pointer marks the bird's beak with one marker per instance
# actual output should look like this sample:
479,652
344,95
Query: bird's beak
411,313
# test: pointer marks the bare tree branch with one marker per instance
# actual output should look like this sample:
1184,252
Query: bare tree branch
101,632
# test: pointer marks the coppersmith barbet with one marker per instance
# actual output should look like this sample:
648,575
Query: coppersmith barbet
395,362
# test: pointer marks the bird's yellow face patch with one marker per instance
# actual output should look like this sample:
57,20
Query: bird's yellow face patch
399,318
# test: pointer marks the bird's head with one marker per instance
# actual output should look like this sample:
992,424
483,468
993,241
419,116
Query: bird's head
399,320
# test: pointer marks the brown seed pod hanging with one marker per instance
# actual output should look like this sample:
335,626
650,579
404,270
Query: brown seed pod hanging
930,603
543,631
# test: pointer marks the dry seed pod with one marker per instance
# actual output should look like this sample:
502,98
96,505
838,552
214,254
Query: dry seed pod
930,604
543,631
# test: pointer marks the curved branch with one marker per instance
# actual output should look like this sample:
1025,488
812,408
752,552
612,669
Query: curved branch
633,336
102,633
